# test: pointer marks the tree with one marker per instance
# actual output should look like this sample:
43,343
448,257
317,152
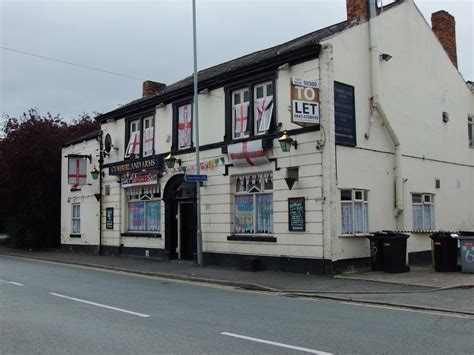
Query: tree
30,175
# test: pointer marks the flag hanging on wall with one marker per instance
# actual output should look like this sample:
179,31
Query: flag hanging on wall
185,124
247,153
241,113
264,108
77,171
133,146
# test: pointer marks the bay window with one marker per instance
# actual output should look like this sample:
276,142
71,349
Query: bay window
253,204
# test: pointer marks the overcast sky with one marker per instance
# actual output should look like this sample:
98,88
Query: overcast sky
152,40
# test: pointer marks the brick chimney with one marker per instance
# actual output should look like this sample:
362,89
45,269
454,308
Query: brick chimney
152,87
444,27
357,10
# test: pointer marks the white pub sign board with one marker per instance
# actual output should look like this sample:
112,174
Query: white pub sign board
304,101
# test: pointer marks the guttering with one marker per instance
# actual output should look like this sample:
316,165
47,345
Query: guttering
375,100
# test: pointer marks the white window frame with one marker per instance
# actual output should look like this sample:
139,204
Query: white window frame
150,120
470,131
145,198
240,91
357,196
255,98
261,191
426,199
134,126
75,217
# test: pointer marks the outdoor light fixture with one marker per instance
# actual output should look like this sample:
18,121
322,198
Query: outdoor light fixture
95,173
286,142
170,160
291,176
385,57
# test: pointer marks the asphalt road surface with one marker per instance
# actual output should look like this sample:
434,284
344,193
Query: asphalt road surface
48,308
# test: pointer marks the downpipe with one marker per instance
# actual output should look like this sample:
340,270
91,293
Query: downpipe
374,70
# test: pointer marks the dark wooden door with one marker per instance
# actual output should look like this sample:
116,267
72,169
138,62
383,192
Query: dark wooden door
188,230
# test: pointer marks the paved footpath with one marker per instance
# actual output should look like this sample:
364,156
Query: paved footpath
365,287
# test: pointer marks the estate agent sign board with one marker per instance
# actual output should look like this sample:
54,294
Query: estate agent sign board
304,101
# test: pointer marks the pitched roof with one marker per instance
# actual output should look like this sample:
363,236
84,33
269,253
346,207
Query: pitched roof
291,51
84,137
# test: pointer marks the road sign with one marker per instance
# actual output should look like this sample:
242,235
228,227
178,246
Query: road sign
195,178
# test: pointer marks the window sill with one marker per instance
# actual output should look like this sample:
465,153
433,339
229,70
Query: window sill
141,235
74,235
351,236
251,238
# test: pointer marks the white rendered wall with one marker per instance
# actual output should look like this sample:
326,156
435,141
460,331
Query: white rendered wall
85,197
416,86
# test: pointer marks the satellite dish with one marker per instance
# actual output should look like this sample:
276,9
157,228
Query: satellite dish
108,143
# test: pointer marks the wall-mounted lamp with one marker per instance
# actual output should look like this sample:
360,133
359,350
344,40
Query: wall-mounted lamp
384,57
286,142
170,160
291,176
160,105
95,173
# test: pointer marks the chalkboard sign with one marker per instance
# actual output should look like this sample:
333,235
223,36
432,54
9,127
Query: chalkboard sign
344,111
109,218
296,214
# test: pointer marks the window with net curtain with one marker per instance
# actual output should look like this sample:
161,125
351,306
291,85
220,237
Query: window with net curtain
423,211
354,211
253,204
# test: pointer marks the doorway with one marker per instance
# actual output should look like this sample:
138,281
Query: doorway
187,230
180,218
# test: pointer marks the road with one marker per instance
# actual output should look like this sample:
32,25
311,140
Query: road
57,309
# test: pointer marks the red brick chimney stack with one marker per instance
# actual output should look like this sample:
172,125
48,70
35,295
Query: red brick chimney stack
152,87
357,10
444,27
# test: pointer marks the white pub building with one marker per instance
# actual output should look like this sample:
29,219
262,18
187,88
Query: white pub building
308,147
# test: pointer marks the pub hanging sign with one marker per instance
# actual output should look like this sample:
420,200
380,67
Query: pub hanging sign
144,164
304,101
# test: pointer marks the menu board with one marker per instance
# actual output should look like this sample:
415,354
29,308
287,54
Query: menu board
109,218
296,214
344,111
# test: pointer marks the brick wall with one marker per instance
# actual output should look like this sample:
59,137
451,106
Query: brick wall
151,87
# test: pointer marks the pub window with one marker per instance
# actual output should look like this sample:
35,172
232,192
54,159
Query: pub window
148,135
144,209
133,146
253,204
354,211
251,111
76,219
423,211
140,137
183,131
470,131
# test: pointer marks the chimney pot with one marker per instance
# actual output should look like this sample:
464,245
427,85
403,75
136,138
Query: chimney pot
152,87
444,27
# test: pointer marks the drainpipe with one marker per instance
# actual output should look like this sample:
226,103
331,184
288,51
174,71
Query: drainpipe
374,70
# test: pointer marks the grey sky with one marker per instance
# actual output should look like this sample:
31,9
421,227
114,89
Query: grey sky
152,39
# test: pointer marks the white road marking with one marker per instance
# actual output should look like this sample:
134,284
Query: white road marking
435,313
15,283
311,351
101,305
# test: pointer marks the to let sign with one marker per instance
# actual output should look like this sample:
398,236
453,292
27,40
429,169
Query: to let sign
304,101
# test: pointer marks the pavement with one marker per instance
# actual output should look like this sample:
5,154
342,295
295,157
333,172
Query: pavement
422,288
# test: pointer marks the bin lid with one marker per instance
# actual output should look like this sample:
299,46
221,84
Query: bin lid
440,235
388,234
